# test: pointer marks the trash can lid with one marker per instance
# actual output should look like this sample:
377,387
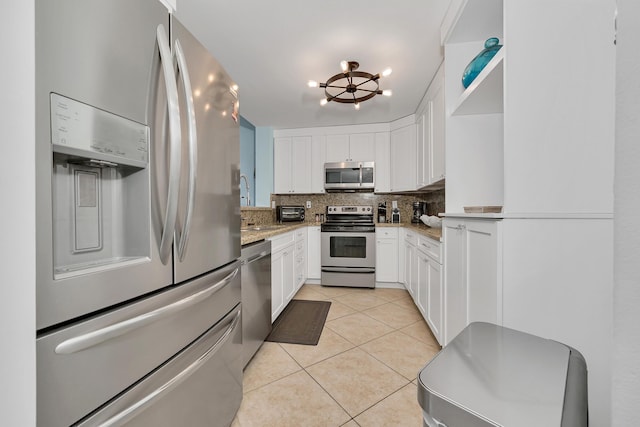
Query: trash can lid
498,375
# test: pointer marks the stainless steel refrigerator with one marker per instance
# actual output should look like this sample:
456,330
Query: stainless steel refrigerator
138,225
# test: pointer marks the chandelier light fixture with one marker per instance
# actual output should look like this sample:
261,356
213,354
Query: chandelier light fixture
351,86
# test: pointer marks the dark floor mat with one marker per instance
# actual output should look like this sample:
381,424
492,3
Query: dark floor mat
301,322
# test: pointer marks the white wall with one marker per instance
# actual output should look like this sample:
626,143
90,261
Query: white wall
626,293
17,216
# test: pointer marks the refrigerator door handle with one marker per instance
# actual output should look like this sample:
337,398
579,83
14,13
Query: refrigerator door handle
193,149
148,400
82,342
175,135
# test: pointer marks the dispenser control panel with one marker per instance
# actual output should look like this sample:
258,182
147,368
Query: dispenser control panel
79,129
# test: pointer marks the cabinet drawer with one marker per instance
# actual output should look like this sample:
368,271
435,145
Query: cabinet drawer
429,247
281,240
411,237
301,233
386,233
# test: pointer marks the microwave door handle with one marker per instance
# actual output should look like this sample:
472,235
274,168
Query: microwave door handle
360,169
192,146
173,111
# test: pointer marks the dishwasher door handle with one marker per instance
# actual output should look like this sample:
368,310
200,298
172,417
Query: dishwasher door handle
255,257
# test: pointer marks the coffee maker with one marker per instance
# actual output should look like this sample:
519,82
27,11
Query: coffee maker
419,209
382,212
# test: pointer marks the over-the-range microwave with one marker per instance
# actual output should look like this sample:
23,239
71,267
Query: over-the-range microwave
349,176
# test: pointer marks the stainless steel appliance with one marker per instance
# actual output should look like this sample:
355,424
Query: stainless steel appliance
137,184
349,176
255,259
382,212
348,247
419,209
290,213
489,375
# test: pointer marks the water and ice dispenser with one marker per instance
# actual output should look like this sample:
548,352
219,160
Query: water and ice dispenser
100,188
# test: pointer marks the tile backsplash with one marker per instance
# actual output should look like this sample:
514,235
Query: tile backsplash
319,202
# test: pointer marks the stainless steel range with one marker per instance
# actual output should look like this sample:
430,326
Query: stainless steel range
348,247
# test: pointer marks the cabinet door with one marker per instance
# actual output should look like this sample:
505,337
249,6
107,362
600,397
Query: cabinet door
387,255
282,160
408,252
455,281
481,268
277,284
313,253
337,148
473,287
434,300
437,142
318,153
422,286
300,166
288,273
383,182
403,159
362,147
423,140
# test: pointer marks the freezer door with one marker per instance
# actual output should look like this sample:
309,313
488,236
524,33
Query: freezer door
208,227
84,365
97,238
200,386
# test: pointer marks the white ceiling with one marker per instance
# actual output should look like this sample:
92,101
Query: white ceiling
272,48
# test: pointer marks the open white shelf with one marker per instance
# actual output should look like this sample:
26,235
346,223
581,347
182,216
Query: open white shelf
485,94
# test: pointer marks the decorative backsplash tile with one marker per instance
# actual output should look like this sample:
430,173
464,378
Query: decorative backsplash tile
435,202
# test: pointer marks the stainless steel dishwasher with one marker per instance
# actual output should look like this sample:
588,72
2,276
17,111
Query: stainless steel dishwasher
256,296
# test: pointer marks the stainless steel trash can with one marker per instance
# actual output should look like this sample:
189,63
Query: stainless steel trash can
494,376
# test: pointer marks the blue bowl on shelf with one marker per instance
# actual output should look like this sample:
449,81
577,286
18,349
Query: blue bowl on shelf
491,47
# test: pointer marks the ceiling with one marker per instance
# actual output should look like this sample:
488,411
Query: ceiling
272,48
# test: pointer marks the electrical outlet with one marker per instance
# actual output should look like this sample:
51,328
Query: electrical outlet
394,204
308,204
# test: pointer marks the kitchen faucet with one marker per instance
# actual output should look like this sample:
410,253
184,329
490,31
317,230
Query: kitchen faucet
246,186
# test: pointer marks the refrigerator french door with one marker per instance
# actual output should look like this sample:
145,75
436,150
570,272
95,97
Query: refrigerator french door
137,186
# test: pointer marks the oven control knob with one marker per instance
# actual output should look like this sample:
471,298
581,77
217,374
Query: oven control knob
368,209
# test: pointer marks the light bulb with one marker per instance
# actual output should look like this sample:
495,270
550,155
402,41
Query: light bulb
323,101
344,65
387,92
386,72
234,87
312,83
356,105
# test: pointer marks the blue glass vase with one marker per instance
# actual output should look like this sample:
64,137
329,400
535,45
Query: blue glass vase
491,47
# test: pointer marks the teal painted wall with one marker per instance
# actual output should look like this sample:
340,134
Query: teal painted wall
247,160
264,165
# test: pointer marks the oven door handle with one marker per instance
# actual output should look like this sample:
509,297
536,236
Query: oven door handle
354,270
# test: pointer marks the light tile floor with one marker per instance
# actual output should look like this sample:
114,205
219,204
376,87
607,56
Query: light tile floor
361,373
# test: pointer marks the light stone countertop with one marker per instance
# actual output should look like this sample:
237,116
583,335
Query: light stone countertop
255,233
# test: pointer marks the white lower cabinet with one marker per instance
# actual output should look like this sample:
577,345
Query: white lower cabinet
473,283
386,254
429,288
410,262
300,258
313,252
283,265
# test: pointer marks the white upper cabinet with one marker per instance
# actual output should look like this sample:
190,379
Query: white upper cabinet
382,171
357,147
292,165
302,153
337,148
403,154
430,134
